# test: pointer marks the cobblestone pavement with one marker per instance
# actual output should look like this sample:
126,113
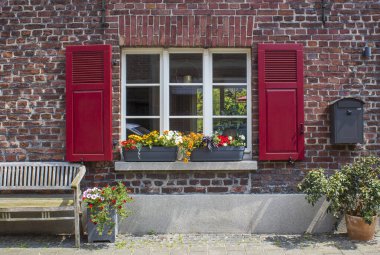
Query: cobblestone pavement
192,244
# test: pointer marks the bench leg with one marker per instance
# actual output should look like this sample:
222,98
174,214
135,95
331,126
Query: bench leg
76,221
77,232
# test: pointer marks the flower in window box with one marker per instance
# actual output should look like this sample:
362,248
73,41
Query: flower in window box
189,143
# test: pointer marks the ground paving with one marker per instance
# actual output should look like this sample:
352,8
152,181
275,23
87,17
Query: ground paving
193,244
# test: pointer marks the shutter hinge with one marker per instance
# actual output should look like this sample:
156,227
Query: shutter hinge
302,128
291,161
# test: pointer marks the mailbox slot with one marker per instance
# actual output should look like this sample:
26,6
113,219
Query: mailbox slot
347,121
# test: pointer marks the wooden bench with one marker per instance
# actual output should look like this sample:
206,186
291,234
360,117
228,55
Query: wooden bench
26,177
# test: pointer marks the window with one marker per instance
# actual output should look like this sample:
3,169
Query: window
190,90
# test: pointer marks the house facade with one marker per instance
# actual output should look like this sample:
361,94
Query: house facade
160,46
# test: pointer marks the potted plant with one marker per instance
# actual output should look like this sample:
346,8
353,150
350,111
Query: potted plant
353,191
152,147
104,206
214,148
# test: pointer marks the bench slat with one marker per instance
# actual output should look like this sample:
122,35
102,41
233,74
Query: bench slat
36,201
38,209
52,178
38,219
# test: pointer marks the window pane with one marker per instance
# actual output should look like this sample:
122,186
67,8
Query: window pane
229,68
229,100
143,68
185,68
138,126
230,127
186,100
187,125
143,101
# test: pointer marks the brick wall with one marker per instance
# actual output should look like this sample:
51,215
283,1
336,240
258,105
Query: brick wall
34,34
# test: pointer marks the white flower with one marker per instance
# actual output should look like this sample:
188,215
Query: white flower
225,144
93,197
230,138
242,137
178,140
88,196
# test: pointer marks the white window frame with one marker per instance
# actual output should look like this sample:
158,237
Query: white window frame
207,86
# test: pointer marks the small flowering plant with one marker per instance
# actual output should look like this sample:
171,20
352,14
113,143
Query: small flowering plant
102,201
189,143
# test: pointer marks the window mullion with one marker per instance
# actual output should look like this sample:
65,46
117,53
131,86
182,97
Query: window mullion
207,93
165,91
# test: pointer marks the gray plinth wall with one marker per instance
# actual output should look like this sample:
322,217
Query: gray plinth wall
240,213
204,213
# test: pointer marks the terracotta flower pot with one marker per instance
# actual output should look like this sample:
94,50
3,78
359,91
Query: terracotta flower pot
358,229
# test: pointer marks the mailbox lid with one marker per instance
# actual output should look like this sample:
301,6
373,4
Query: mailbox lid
348,102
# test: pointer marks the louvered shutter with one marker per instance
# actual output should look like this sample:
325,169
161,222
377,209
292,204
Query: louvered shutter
281,115
88,103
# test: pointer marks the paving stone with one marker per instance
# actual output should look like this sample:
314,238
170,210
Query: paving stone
294,252
179,251
10,251
217,251
198,252
236,253
198,249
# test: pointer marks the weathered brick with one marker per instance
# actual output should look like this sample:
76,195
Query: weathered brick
32,76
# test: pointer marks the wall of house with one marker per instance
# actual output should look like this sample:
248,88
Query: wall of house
34,34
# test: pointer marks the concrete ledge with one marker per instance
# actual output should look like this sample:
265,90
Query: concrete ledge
230,213
245,165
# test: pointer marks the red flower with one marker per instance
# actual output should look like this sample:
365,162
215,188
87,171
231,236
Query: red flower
119,206
90,206
113,201
102,207
223,139
113,188
129,144
124,201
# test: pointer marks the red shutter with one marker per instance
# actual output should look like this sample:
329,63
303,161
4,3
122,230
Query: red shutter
281,115
88,103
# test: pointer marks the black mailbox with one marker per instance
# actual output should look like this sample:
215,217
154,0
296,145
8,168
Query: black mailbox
347,121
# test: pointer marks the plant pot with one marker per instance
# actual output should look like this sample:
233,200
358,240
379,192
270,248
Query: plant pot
358,229
94,236
154,154
225,153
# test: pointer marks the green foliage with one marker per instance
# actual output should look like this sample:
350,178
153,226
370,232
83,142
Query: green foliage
355,190
228,103
102,202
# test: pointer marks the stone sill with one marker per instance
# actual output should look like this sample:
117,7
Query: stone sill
245,165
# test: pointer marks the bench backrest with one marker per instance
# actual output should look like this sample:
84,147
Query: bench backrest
37,175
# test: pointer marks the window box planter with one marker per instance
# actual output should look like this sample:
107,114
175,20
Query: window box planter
105,236
154,154
228,153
